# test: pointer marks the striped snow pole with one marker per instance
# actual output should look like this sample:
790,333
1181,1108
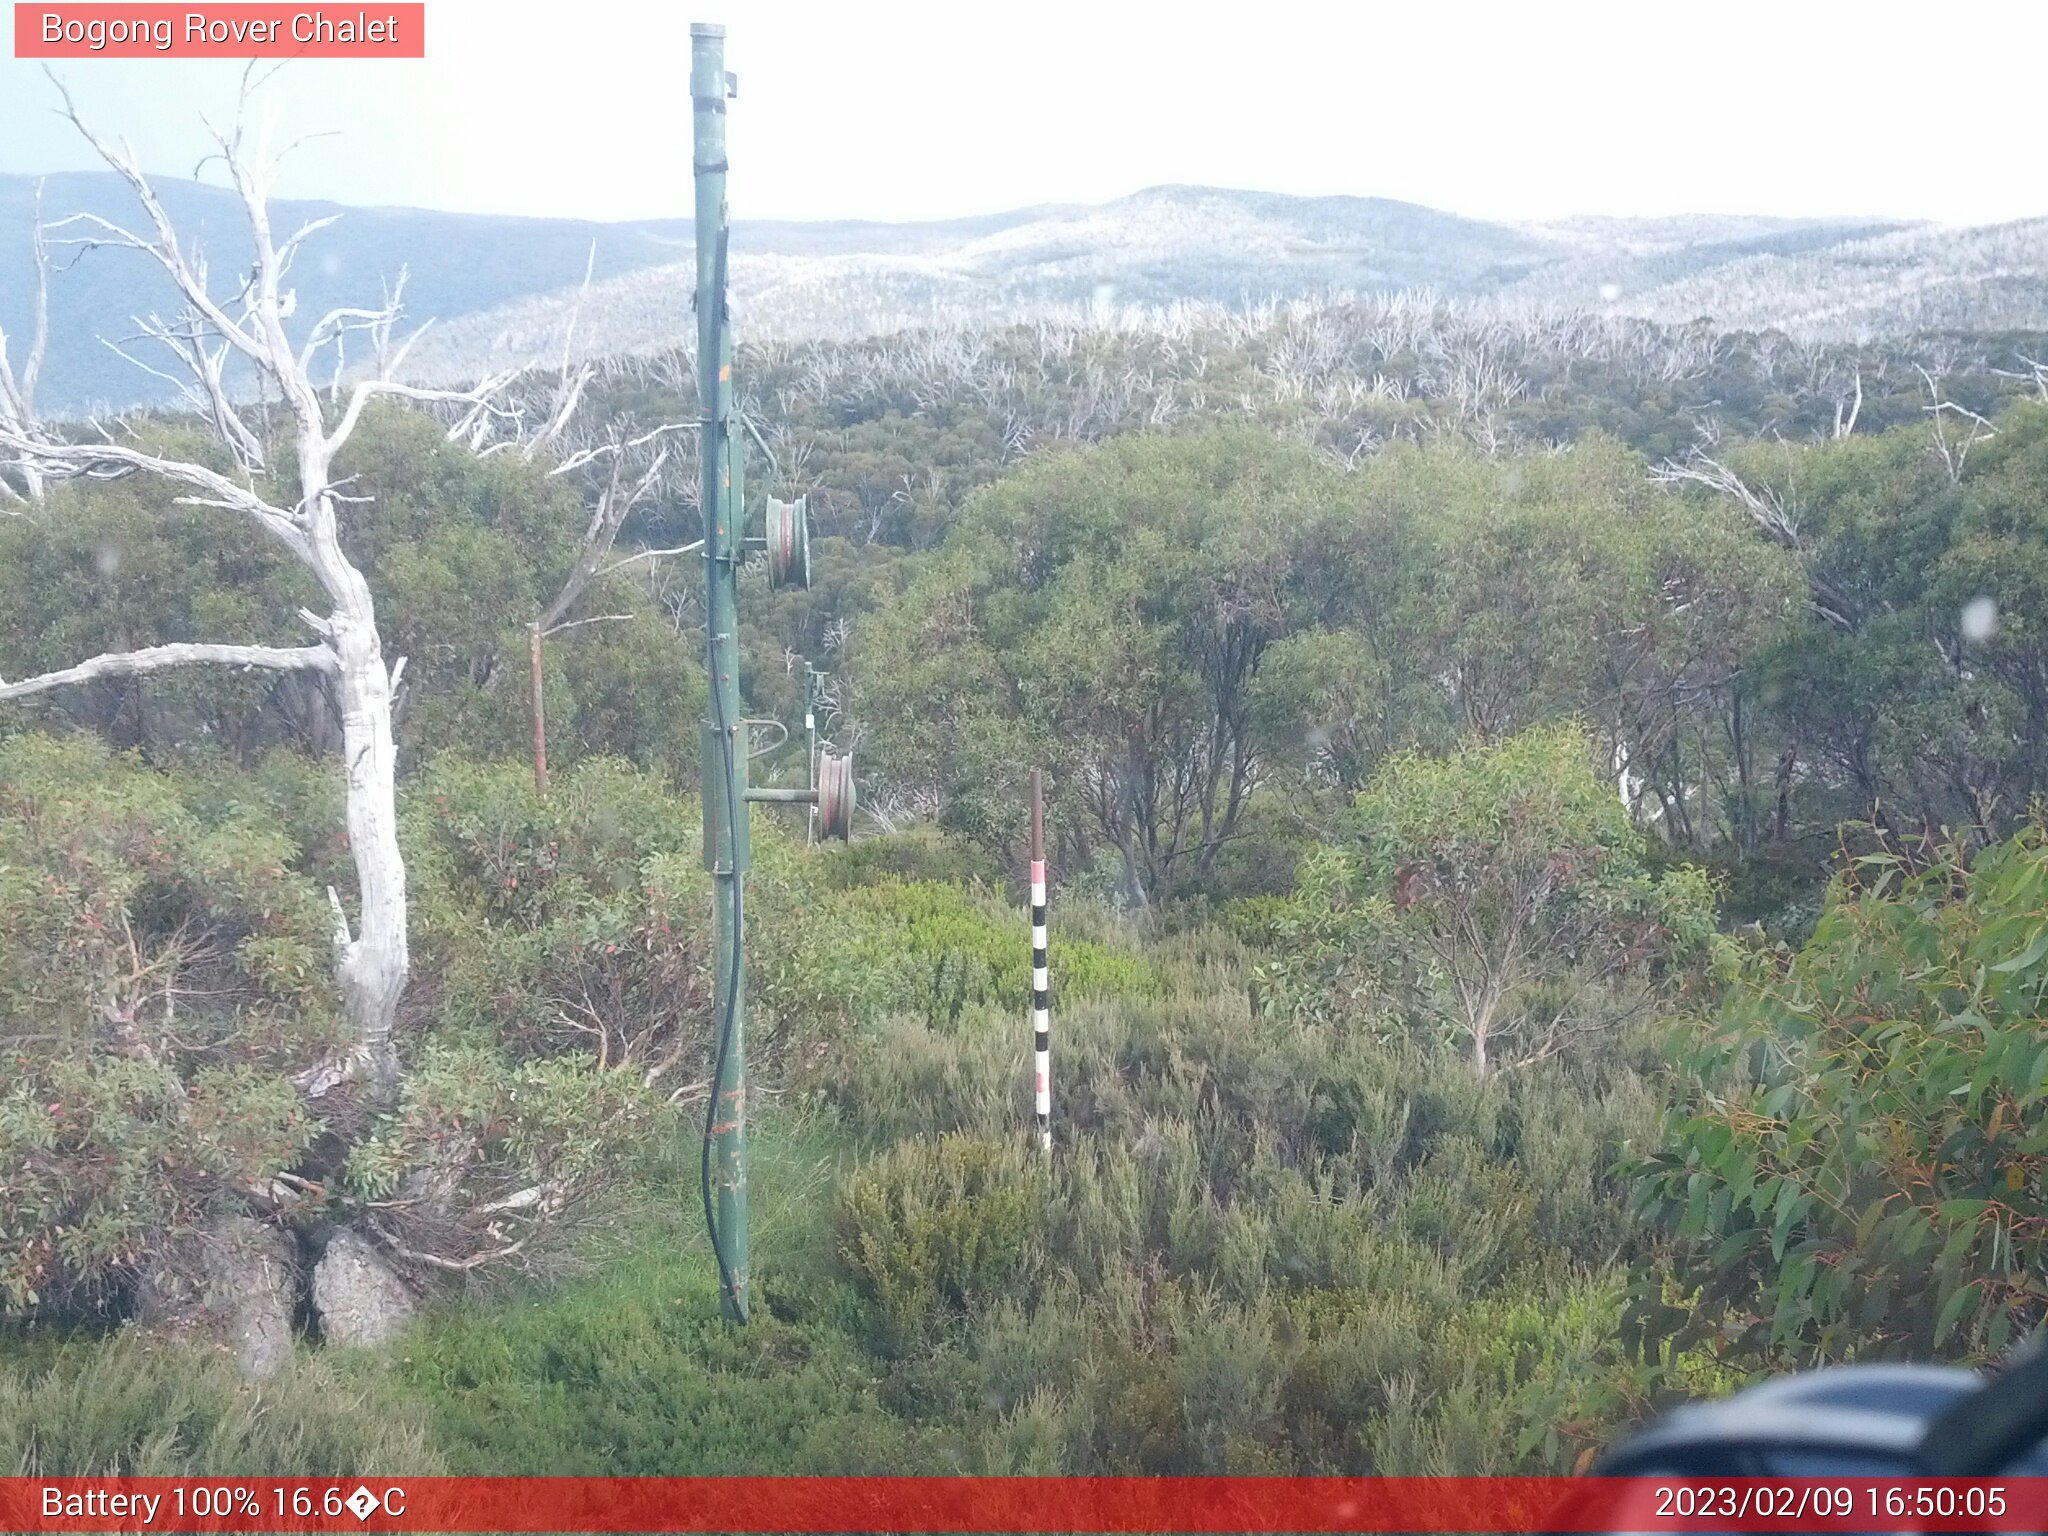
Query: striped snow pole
1041,1003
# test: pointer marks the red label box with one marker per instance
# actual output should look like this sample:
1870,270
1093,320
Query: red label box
905,1506
234,31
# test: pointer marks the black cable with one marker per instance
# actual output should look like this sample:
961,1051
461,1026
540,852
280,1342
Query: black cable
739,901
732,998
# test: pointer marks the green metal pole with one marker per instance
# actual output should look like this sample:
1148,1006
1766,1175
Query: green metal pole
724,749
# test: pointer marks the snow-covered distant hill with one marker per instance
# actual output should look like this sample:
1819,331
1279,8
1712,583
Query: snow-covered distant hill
501,289
1983,278
1157,247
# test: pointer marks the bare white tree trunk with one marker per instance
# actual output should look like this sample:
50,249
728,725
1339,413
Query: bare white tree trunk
18,389
1848,408
372,964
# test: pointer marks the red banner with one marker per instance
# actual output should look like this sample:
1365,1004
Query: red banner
1021,1504
213,31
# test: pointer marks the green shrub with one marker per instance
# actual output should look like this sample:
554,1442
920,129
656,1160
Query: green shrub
575,926
934,1227
1328,952
906,1079
936,951
166,968
1281,1248
161,974
1520,882
511,1151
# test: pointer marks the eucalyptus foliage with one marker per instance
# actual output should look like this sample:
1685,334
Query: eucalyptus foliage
1861,1169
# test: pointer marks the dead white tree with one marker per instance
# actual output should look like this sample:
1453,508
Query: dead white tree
247,329
18,389
1775,518
1848,406
619,470
2036,374
615,496
1953,444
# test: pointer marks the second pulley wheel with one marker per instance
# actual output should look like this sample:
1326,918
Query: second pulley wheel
789,544
835,795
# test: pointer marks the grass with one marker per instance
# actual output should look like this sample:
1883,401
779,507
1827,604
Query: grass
631,1372
627,1371
126,1405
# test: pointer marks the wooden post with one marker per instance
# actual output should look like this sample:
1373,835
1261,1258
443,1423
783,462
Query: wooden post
1041,1004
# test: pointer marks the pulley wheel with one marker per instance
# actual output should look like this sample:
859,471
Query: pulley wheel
789,544
835,795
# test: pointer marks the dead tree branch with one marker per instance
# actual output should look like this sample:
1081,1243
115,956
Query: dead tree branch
159,658
1776,520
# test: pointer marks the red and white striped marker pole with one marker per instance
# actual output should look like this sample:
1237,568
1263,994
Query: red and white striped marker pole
1041,1004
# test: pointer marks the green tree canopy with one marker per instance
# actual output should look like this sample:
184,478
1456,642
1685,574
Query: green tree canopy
1519,874
1104,614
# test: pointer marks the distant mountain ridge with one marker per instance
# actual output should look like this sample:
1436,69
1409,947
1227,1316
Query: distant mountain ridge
500,288
456,264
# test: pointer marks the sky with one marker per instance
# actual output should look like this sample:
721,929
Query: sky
897,109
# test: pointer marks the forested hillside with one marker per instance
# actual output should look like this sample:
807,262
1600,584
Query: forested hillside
1550,903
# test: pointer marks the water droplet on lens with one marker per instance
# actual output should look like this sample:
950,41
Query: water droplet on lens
1980,618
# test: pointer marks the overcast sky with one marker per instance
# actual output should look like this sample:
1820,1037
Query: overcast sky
889,109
